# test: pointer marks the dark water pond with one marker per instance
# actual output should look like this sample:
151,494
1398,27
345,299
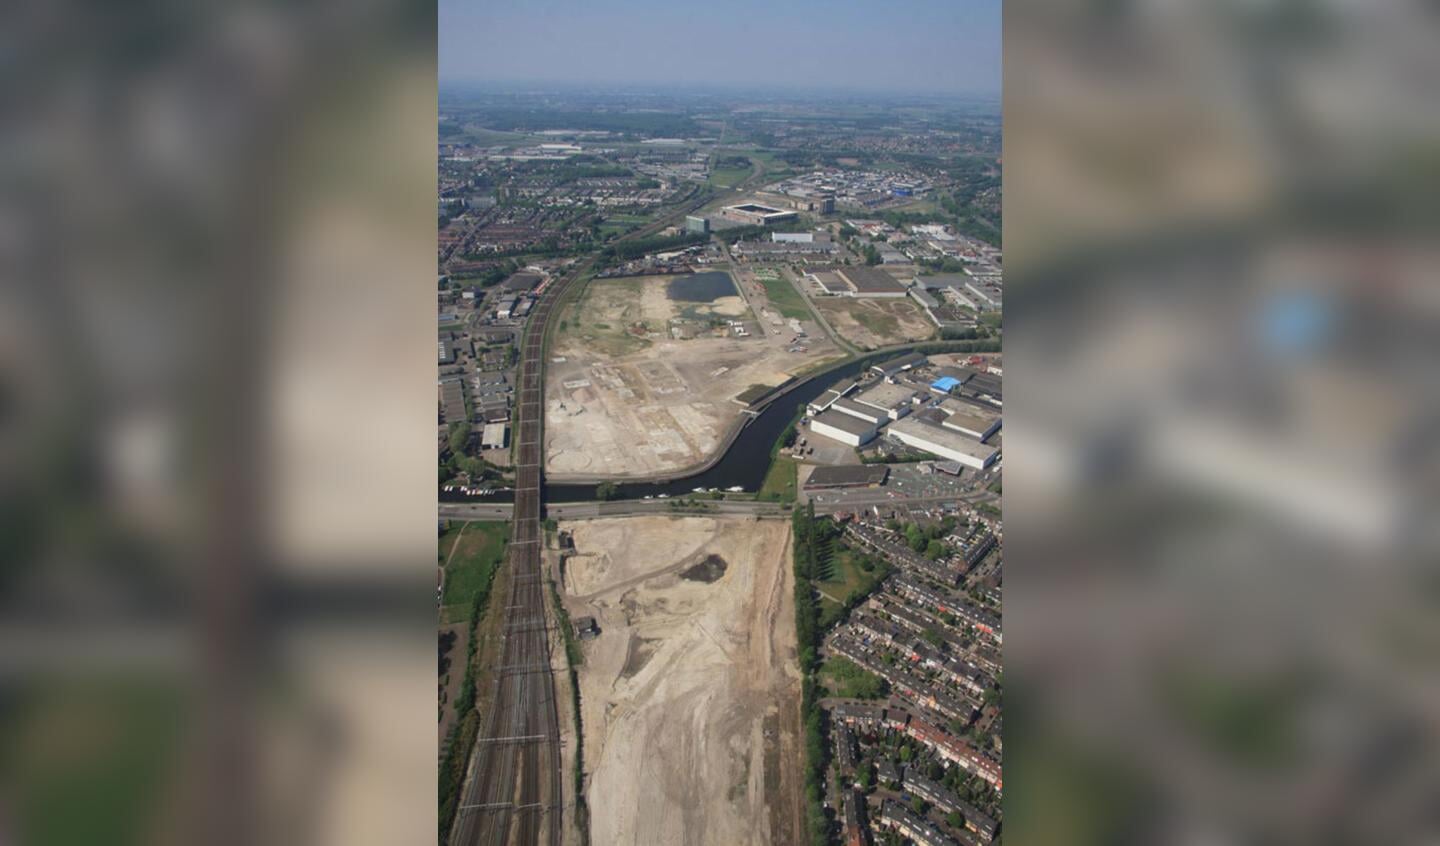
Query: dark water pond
708,570
704,287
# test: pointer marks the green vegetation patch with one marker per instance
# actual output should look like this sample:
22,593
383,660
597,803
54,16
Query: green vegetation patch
779,484
845,577
847,679
784,298
877,322
727,177
478,549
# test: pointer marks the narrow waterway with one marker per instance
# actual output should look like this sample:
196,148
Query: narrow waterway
744,464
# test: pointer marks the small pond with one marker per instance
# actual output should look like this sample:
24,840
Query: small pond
704,287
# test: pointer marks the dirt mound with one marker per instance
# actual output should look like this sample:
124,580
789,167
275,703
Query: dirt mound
691,697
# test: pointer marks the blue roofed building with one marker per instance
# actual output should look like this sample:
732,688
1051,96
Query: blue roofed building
945,384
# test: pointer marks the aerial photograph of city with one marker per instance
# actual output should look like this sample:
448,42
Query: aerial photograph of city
719,404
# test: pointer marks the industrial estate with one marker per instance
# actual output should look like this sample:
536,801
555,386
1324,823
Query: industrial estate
719,409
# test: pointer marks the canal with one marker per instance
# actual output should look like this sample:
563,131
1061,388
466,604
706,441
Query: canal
747,460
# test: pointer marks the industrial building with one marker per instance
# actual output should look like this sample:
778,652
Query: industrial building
870,414
870,282
946,443
832,283
494,435
847,476
697,225
827,399
756,214
784,249
522,283
895,365
969,418
894,401
843,428
452,399
986,292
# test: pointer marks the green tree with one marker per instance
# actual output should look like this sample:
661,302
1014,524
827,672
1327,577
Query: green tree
606,491
460,437
934,550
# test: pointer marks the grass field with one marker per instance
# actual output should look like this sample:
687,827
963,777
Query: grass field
727,177
919,207
844,677
478,548
877,322
623,217
784,298
842,578
779,484
615,302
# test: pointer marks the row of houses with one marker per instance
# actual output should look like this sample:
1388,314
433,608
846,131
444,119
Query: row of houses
873,718
875,540
916,591
976,821
906,683
898,818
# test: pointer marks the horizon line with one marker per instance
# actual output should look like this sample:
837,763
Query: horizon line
735,87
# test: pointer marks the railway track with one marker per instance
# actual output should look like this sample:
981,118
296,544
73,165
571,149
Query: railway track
513,792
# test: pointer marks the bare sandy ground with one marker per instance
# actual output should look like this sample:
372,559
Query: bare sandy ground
872,323
618,370
690,695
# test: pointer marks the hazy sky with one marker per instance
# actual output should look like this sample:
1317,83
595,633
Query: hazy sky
872,45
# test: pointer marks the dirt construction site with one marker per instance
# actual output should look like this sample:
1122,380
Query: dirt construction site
628,359
872,323
690,694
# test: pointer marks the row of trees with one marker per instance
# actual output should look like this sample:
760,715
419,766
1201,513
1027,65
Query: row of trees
627,250
807,633
924,539
493,275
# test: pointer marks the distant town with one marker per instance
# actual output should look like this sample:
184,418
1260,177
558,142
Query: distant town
719,387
